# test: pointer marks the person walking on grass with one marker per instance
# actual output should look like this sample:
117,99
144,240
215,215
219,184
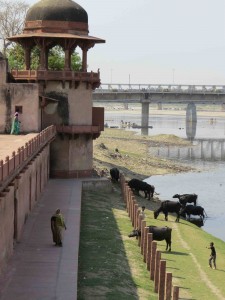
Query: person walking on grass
57,225
212,257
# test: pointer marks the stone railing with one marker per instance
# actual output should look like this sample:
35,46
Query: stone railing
11,166
64,75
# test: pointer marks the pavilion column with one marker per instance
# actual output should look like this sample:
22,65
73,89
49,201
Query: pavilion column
67,66
44,58
27,58
84,59
85,47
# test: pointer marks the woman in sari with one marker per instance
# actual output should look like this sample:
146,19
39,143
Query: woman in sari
57,225
15,129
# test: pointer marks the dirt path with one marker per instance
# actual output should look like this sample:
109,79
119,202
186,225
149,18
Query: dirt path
202,274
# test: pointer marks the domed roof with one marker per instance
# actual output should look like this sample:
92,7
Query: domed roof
57,10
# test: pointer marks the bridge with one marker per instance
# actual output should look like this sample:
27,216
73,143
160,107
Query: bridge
159,93
146,94
204,149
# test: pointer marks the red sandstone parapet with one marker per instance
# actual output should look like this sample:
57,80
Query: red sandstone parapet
11,165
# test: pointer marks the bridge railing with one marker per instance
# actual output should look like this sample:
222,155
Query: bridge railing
160,88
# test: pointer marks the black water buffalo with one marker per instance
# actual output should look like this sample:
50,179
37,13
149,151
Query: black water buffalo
193,210
138,185
169,206
186,198
115,174
159,234
197,221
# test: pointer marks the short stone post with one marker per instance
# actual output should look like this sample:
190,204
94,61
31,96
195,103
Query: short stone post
143,225
162,276
152,263
168,286
157,265
128,201
132,210
22,153
139,228
26,150
14,159
131,207
135,215
19,154
126,196
149,249
137,218
175,293
7,164
146,229
1,170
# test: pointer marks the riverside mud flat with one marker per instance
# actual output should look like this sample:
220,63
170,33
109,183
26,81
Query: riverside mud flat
130,153
134,148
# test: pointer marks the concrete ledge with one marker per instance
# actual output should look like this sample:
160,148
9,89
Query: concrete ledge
96,184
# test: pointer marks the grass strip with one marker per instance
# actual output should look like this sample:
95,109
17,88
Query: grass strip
110,264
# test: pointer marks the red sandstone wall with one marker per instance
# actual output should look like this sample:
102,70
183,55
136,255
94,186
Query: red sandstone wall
18,200
7,225
80,105
24,96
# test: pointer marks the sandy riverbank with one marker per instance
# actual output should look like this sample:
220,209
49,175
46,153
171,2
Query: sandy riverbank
133,157
209,114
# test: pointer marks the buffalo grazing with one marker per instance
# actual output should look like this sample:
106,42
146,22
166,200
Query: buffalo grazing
168,207
115,174
186,198
139,185
159,234
193,210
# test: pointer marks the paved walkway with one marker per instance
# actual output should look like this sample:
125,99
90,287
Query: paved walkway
39,270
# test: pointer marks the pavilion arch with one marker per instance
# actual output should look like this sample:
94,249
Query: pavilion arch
52,63
45,44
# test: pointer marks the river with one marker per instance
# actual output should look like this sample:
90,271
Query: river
206,155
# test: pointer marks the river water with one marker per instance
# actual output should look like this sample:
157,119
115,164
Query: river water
207,155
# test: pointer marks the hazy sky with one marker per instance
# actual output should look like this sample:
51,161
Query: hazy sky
157,41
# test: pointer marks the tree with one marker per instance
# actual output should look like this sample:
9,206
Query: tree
56,58
15,55
12,16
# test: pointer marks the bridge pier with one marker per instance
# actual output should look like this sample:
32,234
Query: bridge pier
144,114
191,121
159,106
223,107
222,151
125,105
